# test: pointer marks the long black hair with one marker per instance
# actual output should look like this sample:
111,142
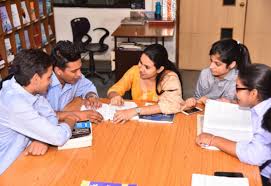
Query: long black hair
258,76
158,54
230,50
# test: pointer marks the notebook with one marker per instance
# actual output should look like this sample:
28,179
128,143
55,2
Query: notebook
225,120
205,180
108,111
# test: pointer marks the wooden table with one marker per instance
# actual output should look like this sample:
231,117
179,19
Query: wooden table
143,31
125,59
141,153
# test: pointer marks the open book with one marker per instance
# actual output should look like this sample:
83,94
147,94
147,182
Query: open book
205,180
226,120
81,136
108,111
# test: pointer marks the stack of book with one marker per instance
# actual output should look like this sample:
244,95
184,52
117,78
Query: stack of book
81,136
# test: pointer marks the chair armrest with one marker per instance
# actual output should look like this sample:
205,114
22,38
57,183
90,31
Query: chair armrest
101,41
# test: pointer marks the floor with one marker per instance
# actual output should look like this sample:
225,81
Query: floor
189,79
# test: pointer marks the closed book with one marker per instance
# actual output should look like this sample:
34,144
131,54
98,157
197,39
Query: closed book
18,42
15,15
157,118
43,35
32,11
6,24
41,8
50,32
2,63
25,14
37,36
81,137
94,183
27,41
9,51
48,6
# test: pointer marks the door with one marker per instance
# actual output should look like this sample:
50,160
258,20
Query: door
258,31
202,22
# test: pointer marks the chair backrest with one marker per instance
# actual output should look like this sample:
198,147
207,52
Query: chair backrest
80,28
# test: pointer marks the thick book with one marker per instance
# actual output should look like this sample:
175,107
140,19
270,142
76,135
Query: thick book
157,118
6,24
81,136
25,14
27,41
9,51
18,43
15,15
206,180
94,183
226,120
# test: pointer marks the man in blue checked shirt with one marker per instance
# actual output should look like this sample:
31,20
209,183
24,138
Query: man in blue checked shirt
27,121
68,83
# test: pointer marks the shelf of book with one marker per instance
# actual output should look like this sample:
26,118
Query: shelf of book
24,24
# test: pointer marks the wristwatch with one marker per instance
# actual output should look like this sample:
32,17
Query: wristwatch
138,110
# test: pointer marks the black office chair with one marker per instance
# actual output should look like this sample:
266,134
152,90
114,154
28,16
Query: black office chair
80,28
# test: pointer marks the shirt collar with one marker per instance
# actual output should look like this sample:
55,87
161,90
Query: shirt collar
18,88
56,82
262,107
231,75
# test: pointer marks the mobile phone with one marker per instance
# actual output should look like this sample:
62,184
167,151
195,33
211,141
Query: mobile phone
192,110
229,174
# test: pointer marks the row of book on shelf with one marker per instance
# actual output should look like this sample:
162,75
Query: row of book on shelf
40,40
6,23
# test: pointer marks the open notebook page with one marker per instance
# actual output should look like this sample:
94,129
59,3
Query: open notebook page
108,111
221,115
205,180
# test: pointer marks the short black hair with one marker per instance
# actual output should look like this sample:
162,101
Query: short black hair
65,52
28,62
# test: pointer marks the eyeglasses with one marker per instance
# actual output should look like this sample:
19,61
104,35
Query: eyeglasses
242,88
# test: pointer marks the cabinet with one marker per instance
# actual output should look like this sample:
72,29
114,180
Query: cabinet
25,24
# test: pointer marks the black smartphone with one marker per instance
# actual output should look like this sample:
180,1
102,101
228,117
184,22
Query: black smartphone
229,174
192,110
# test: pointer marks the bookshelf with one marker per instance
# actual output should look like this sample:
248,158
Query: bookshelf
24,24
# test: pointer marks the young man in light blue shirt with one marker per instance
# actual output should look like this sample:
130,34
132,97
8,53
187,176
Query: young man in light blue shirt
68,82
27,121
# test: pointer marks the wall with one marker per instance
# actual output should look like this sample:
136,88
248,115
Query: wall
100,17
258,31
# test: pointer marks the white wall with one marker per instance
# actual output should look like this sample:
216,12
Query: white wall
100,17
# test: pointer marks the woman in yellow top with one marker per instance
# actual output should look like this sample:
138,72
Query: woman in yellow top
155,78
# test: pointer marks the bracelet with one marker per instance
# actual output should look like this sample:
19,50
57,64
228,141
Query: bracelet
210,142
